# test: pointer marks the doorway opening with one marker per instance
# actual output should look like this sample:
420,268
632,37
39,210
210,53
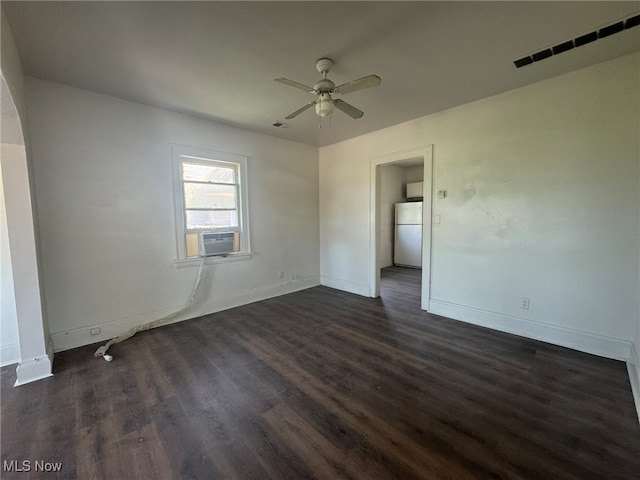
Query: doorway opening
390,175
22,321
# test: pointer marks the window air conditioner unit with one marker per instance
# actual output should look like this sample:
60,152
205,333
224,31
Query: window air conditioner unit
216,243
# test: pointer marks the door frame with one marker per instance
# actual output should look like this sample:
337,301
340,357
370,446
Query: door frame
426,153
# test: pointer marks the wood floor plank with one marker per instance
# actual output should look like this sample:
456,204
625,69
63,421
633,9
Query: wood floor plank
323,459
378,432
143,453
328,385
97,454
352,367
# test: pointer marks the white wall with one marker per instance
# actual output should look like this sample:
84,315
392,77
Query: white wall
9,341
12,71
542,203
634,361
413,174
36,356
105,201
391,192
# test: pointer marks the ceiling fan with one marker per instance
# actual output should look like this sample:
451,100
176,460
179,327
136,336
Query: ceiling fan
324,88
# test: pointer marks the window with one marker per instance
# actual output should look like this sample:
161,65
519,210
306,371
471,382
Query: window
210,196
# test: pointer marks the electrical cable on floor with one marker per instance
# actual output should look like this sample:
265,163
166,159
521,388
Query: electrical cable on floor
102,351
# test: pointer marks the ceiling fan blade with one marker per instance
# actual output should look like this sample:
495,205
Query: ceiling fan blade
291,83
347,108
300,110
364,82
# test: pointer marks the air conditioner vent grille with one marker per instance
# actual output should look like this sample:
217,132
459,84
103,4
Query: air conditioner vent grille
217,243
607,31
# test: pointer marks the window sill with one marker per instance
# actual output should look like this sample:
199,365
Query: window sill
213,260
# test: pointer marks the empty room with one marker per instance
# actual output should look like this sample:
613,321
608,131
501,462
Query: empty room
324,240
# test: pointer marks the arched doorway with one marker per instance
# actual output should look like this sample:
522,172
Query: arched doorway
36,354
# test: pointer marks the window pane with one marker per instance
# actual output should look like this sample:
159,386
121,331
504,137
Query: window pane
212,219
208,173
192,242
200,195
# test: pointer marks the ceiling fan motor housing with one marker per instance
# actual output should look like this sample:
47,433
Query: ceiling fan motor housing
324,86
324,65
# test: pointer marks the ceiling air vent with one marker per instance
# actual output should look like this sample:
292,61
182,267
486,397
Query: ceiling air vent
584,39
611,29
563,47
541,55
632,22
579,41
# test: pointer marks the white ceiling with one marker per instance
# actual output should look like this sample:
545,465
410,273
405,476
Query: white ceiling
217,60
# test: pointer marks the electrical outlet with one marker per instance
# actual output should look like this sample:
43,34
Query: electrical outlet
524,303
294,276
95,331
281,275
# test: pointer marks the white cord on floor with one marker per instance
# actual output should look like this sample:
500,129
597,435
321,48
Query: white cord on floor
102,351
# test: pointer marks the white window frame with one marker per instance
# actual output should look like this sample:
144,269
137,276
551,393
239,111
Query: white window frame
199,155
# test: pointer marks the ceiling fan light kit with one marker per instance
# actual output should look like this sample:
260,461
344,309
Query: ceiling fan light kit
324,105
324,89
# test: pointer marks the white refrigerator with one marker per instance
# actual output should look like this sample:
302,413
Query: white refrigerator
408,237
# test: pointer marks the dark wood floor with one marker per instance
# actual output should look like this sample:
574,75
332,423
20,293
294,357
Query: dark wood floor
324,384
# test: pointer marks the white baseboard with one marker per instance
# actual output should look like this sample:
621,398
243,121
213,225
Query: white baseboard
346,285
77,337
270,291
34,369
65,340
633,366
9,354
587,342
